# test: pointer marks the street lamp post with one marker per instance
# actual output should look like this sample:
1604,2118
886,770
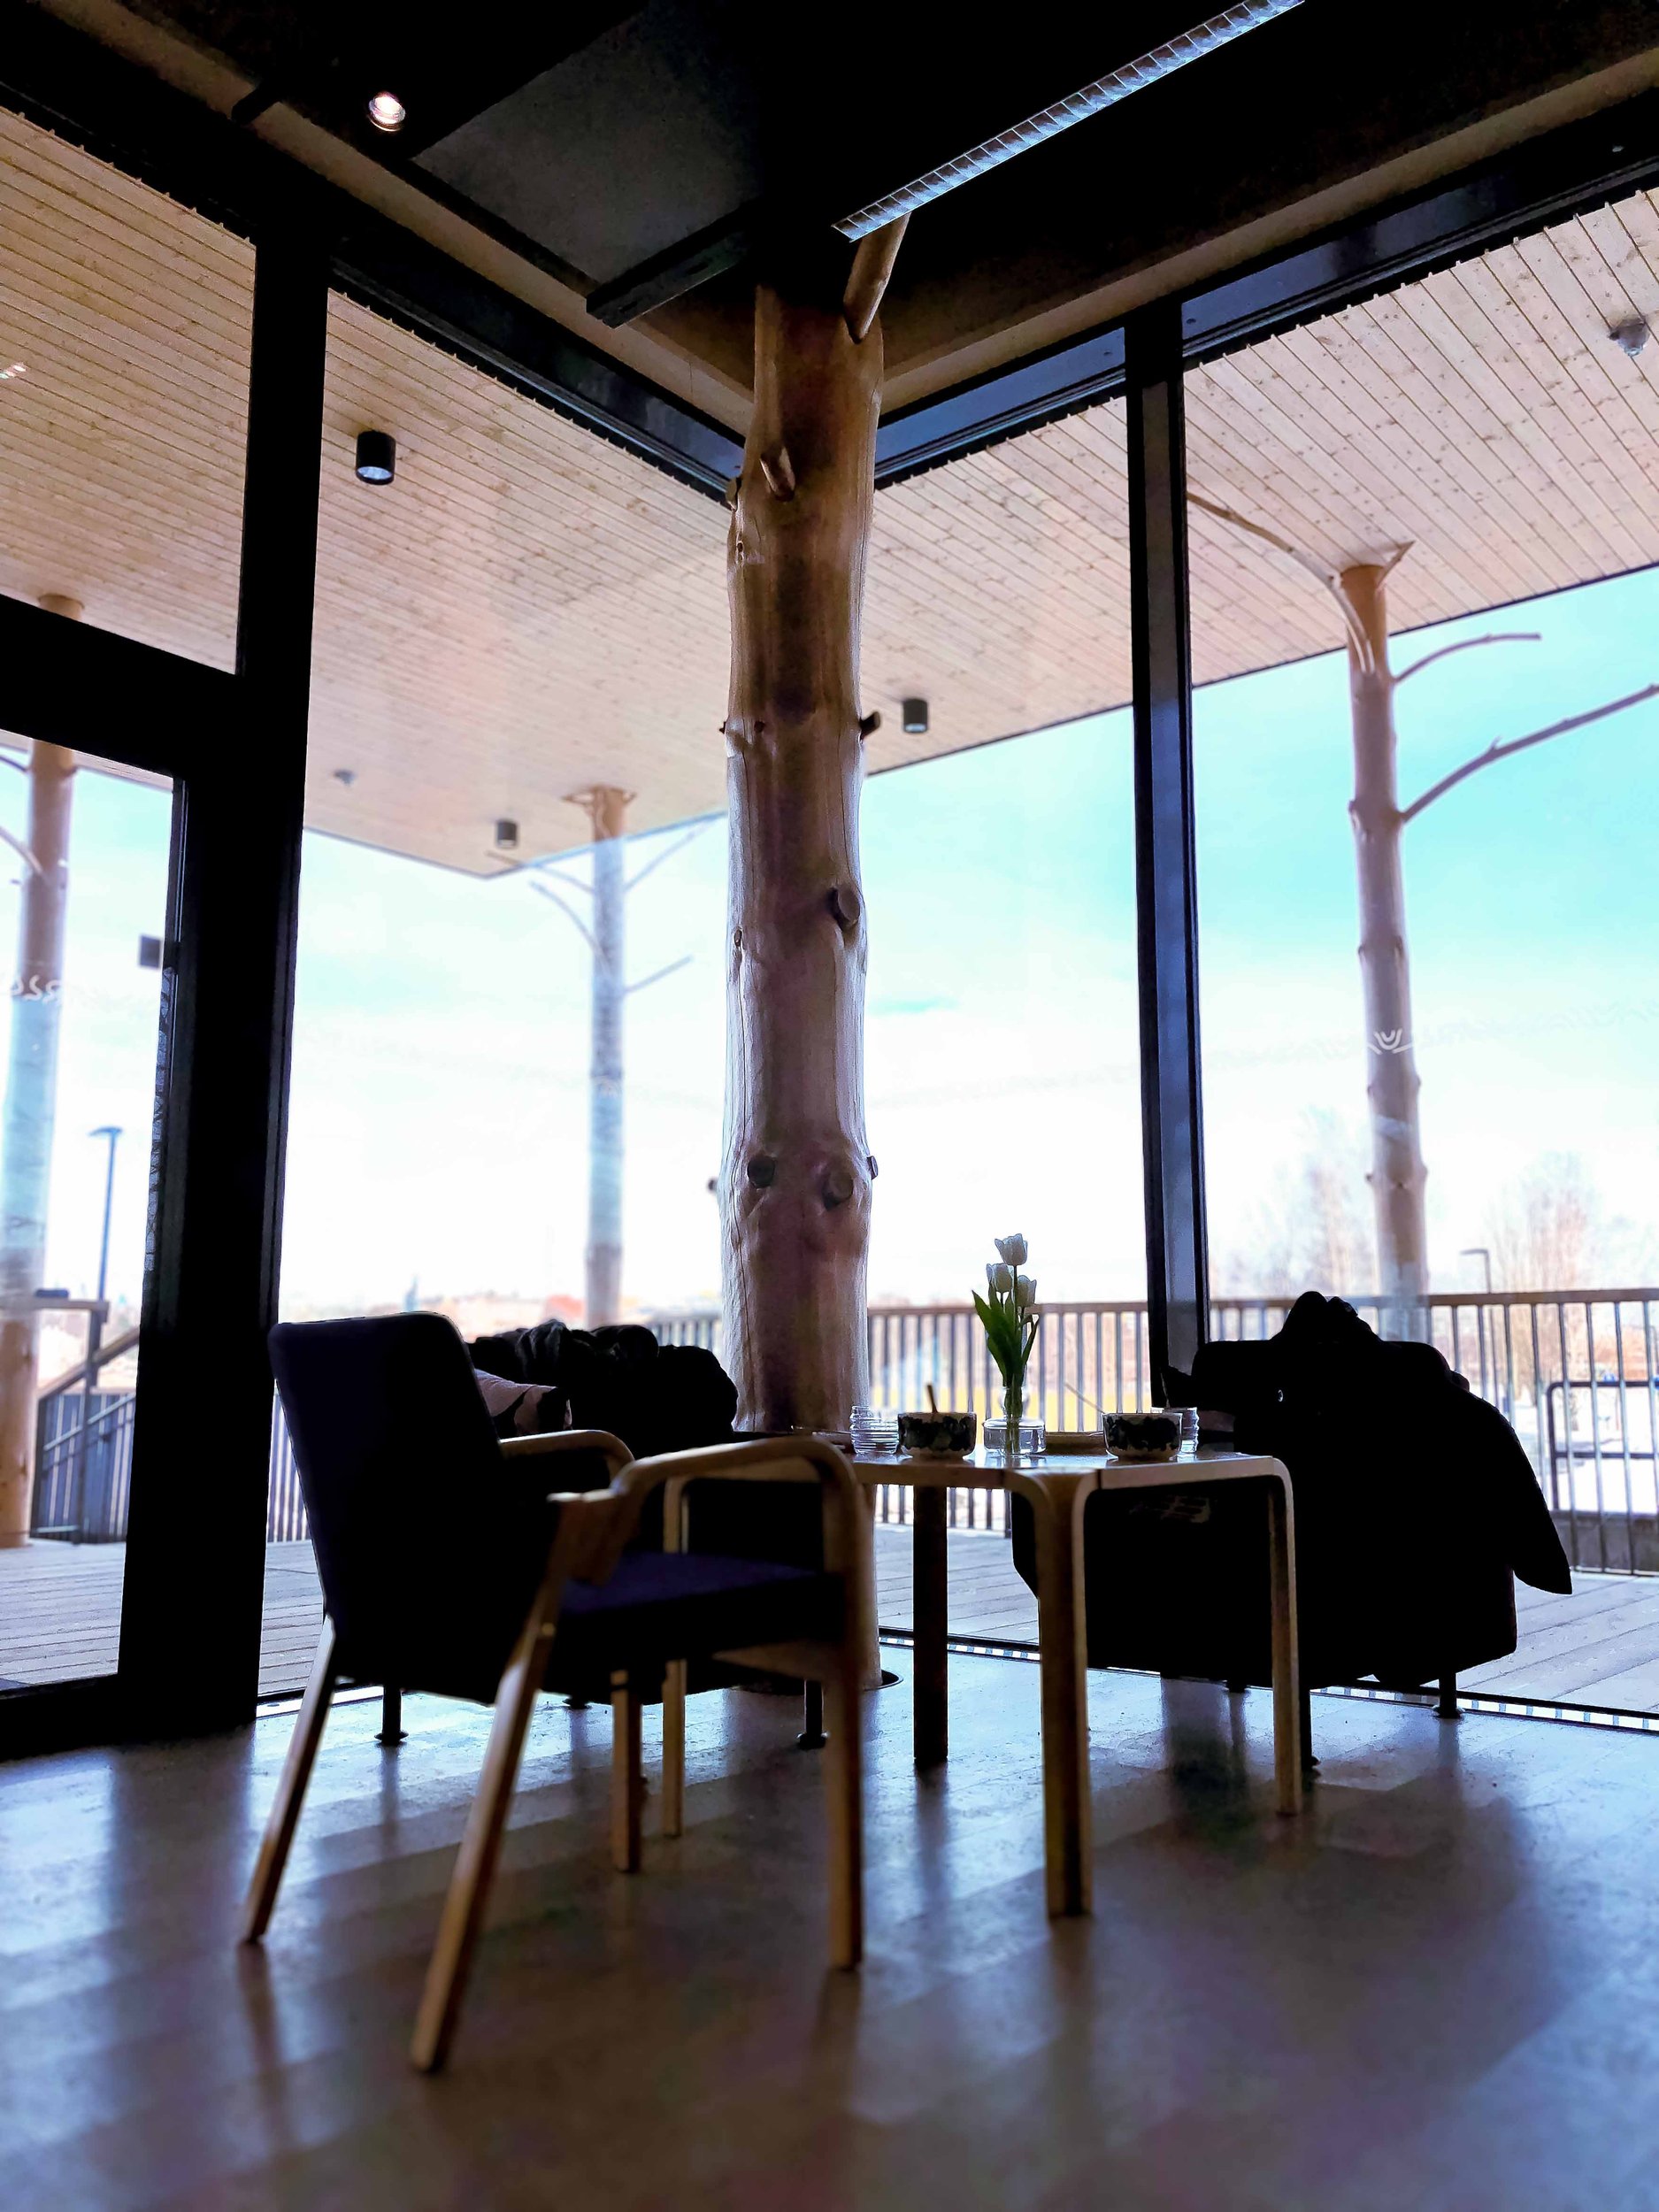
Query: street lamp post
1482,1253
114,1136
95,1332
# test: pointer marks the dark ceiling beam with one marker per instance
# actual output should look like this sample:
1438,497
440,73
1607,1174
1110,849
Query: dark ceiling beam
126,116
1546,180
839,152
999,406
328,63
392,271
1236,147
70,683
71,85
678,269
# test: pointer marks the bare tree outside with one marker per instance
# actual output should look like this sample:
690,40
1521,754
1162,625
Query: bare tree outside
1546,1230
1398,1174
28,1114
1312,1232
605,933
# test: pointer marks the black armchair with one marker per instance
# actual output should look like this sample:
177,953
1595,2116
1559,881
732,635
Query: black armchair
446,1567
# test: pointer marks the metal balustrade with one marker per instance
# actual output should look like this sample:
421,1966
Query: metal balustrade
1577,1373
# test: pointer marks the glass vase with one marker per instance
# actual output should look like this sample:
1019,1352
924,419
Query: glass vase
1017,1435
1013,1413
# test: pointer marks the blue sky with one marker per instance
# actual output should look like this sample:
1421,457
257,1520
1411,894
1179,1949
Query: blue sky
439,1112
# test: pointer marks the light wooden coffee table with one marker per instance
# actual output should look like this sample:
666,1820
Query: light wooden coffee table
1058,1488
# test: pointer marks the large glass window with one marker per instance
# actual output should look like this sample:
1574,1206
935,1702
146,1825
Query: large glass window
85,889
125,330
519,682
518,679
1422,535
1003,1076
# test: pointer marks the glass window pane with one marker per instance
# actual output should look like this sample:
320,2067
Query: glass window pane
523,614
80,1034
125,324
1464,475
1003,1066
526,616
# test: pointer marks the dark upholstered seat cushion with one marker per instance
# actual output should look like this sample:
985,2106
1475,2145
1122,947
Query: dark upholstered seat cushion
659,1606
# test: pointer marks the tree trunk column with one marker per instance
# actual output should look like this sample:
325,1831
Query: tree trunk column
25,1136
1397,1173
602,1300
796,1178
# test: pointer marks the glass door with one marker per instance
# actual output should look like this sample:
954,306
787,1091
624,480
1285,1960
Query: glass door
84,871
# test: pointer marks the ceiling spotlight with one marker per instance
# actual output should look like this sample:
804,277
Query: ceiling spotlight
377,456
11,369
506,836
1631,336
915,718
388,112
347,776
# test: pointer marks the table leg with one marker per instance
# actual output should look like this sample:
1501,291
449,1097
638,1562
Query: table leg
1288,1699
931,1604
1065,1800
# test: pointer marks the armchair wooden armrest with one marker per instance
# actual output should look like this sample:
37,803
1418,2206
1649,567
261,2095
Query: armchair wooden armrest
615,1452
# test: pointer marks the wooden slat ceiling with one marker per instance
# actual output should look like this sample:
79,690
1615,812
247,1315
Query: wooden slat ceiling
529,609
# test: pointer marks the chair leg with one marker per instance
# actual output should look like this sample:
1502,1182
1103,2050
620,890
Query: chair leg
297,1773
391,1730
475,1866
843,1779
627,1776
812,1737
1445,1706
674,1749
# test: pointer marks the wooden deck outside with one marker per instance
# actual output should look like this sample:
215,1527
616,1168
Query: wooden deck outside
60,1619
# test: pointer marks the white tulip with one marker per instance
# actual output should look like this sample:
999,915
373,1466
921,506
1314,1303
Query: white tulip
1025,1292
1000,1277
1013,1250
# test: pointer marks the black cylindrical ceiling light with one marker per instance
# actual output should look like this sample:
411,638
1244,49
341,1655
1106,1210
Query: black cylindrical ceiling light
915,718
377,456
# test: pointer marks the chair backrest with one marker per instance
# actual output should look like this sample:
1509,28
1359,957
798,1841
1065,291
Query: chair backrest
429,1547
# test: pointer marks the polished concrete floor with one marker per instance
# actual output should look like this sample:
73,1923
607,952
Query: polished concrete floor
60,1612
1439,1990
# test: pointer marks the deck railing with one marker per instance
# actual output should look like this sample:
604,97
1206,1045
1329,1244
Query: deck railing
1577,1373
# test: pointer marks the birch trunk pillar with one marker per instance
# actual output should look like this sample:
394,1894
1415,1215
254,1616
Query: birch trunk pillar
797,1171
603,1291
26,1130
1397,1173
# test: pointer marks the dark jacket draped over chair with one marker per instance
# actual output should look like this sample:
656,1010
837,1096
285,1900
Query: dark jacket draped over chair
655,1397
1416,1507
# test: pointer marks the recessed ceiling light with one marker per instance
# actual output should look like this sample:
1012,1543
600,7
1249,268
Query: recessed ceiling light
11,369
388,112
377,456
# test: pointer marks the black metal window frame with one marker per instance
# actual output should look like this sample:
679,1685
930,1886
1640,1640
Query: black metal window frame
236,748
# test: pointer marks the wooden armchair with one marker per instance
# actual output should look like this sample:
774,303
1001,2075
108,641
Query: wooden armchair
446,1567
